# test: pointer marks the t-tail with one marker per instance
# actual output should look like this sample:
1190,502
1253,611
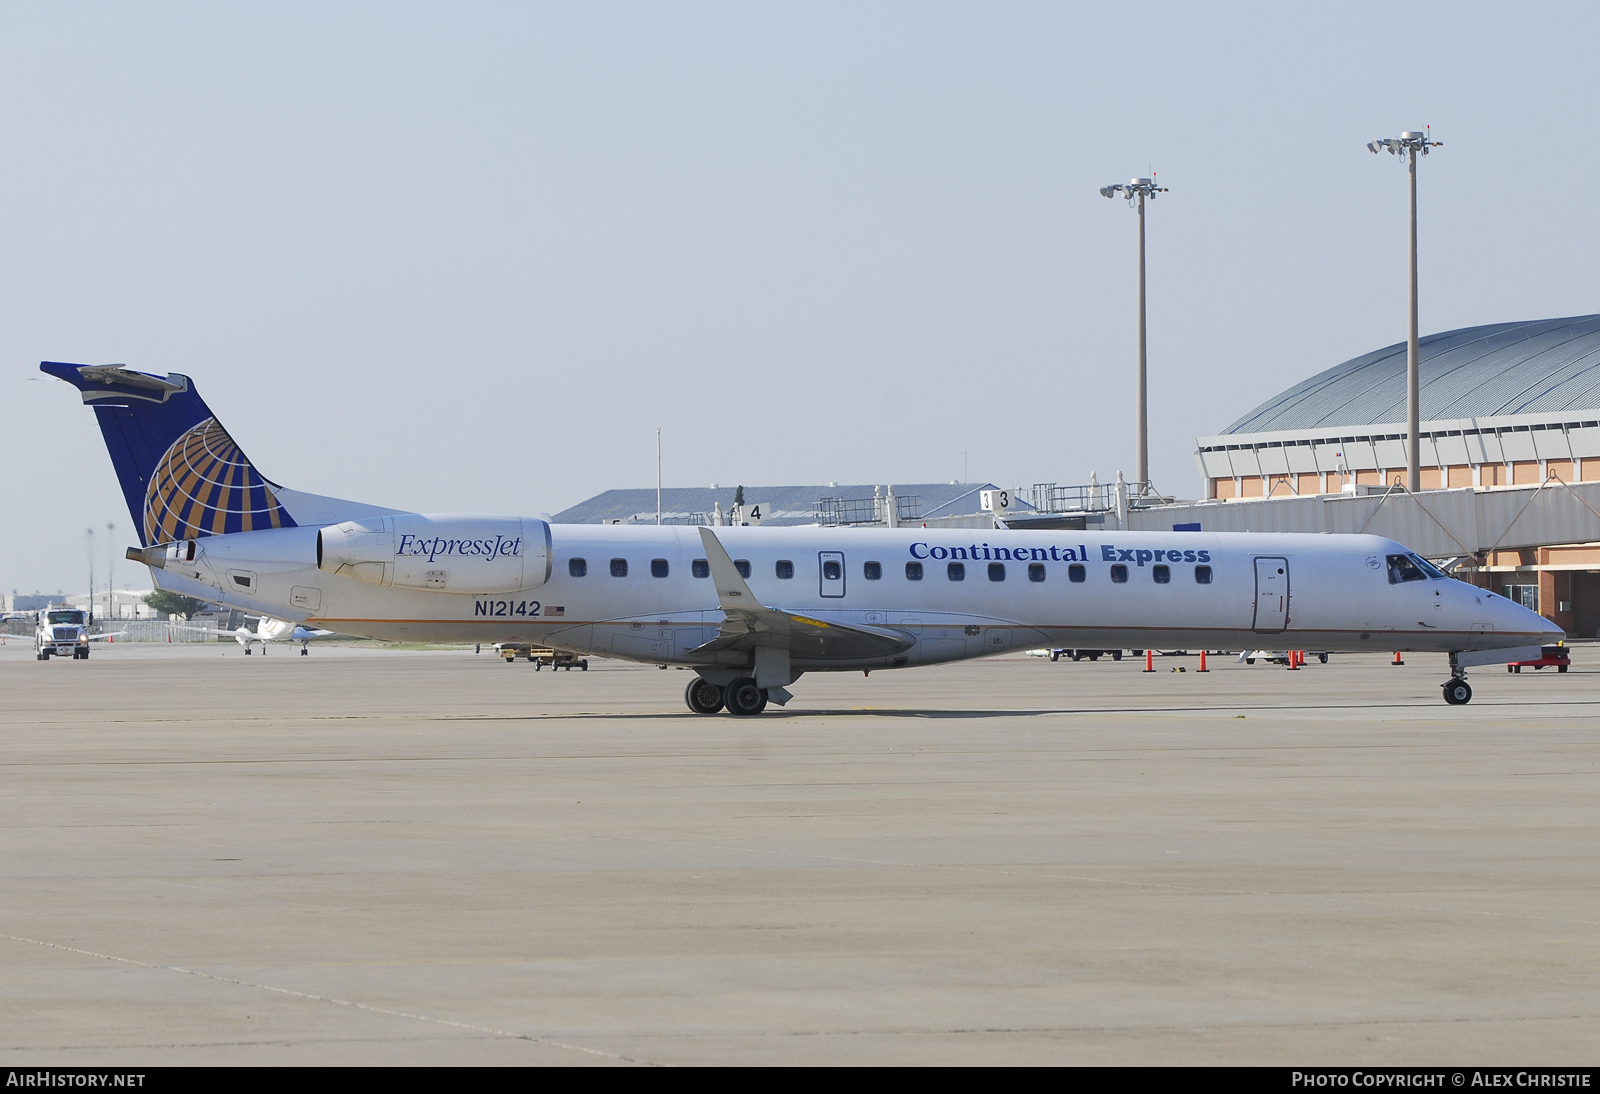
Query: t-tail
183,476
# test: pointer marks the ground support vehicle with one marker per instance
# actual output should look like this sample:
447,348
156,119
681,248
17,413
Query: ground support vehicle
61,631
1079,655
1556,655
1278,657
542,656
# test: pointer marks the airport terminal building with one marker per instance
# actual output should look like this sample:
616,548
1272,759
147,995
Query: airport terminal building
1503,405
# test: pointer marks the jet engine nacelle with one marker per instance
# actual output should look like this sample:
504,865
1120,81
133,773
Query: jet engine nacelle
440,552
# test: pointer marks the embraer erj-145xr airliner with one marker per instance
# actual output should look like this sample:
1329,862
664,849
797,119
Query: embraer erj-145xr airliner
752,609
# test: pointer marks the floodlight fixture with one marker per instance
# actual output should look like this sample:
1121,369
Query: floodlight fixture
1416,142
1133,189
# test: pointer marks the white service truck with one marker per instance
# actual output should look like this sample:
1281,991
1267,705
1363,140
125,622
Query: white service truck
62,631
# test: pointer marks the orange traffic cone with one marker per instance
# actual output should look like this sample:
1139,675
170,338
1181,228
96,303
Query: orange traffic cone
1397,660
1149,660
1294,660
1203,662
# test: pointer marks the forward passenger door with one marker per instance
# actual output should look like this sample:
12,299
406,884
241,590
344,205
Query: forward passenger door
1272,595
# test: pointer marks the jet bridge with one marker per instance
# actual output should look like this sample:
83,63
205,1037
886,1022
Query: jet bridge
1434,523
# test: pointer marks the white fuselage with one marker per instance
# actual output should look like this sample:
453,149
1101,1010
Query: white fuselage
1319,592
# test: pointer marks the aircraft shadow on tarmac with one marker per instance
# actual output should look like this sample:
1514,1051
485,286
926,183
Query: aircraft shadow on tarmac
968,715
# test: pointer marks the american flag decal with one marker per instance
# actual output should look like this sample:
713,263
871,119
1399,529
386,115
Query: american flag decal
554,610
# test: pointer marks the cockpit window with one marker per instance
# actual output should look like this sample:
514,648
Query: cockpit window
1405,568
1430,569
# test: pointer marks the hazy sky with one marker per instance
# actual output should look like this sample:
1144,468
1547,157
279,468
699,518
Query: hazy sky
470,256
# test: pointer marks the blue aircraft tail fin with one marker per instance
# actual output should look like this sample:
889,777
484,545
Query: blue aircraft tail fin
182,475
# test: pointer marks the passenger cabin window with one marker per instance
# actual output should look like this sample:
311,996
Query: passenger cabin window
1401,568
619,567
743,566
1076,573
1202,575
956,571
700,568
1162,575
658,567
578,567
784,569
1036,571
831,570
1119,574
872,571
913,571
997,571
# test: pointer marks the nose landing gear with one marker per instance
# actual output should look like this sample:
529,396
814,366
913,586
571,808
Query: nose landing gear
1457,692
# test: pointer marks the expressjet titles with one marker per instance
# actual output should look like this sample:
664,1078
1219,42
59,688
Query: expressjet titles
1080,553
499,547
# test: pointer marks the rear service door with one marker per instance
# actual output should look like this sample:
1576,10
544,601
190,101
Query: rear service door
1272,595
832,572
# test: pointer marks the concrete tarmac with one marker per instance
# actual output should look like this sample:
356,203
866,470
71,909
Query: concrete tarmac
387,857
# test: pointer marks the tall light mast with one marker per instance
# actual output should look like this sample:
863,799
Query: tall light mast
1408,146
1136,190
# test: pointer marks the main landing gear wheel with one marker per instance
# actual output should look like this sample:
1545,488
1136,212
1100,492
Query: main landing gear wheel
1458,693
744,698
703,696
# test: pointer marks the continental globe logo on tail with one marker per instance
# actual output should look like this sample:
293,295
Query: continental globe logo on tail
1080,553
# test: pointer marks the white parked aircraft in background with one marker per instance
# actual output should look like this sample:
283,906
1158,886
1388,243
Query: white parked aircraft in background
277,630
752,609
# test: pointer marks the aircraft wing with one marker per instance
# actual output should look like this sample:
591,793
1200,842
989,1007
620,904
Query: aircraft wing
112,634
748,623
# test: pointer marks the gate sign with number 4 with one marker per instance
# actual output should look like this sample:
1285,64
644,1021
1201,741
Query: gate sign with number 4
995,501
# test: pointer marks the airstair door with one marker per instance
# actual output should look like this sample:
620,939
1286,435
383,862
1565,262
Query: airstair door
1272,595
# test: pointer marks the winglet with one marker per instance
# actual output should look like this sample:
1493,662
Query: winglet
732,592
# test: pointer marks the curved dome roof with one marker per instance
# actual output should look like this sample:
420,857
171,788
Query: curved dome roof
1537,367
